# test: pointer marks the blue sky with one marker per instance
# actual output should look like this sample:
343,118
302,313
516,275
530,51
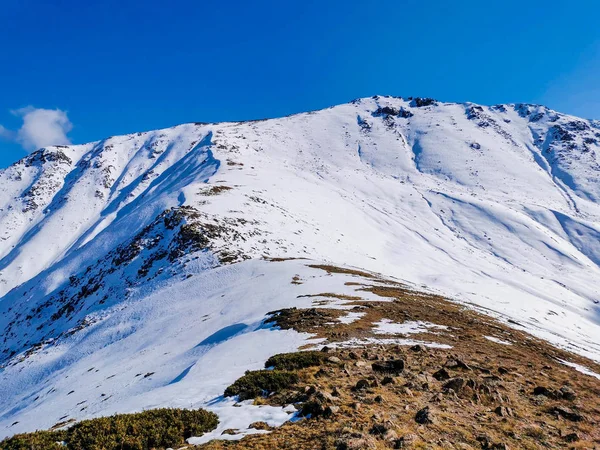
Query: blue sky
116,67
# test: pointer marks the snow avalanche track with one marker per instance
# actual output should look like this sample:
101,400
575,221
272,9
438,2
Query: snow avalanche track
100,280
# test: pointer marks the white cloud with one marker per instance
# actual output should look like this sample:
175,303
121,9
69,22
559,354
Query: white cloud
5,133
41,127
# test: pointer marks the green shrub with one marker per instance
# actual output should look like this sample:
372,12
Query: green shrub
38,440
259,382
153,429
297,360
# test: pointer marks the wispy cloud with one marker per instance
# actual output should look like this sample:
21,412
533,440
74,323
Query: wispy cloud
5,133
41,127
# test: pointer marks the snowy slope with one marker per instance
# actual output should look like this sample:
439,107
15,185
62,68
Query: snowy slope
495,206
180,346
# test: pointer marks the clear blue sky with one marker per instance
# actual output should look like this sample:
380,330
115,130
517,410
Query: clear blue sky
119,66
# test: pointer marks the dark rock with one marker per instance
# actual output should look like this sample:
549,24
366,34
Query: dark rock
567,393
572,437
361,385
484,441
542,390
561,134
567,413
390,366
472,384
417,348
310,390
405,113
387,380
441,375
456,384
473,112
379,429
457,364
405,441
364,125
503,411
324,396
423,416
331,410
422,101
386,111
312,408
378,399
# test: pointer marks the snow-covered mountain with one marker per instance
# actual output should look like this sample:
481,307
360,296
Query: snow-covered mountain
115,256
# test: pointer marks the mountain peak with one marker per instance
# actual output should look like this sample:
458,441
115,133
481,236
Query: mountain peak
491,206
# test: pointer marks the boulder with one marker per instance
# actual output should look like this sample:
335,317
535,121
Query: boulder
394,366
572,437
423,416
503,411
361,385
566,413
542,390
441,375
567,393
456,384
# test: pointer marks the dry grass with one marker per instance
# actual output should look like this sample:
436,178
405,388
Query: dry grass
214,190
467,417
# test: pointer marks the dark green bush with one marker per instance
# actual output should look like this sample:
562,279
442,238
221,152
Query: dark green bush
297,360
38,440
260,382
153,429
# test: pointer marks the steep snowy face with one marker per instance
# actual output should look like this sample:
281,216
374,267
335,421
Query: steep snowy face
495,206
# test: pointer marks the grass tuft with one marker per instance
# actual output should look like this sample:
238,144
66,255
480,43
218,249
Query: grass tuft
261,382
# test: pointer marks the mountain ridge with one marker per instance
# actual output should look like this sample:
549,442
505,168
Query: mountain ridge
496,207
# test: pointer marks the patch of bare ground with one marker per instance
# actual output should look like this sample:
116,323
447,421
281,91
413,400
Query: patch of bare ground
342,270
214,190
510,392
278,259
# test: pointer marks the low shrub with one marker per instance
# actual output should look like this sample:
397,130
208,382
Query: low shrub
38,440
260,382
147,430
296,360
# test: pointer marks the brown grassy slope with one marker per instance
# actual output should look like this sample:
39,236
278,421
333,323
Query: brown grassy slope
479,394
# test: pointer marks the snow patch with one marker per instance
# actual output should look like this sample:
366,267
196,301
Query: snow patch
497,340
386,326
351,317
356,342
580,368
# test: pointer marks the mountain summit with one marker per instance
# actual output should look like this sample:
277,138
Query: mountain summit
137,271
